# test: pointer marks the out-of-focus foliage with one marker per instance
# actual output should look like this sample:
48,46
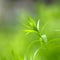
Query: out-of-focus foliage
16,45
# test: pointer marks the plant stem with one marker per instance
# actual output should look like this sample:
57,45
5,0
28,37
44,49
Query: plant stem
41,39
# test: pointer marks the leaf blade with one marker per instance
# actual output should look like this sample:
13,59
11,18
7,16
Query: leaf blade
38,24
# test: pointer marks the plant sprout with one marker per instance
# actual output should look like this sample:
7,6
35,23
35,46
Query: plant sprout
35,28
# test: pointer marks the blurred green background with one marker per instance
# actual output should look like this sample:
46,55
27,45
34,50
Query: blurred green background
14,43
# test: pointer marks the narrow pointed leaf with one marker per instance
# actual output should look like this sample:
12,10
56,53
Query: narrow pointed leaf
29,31
38,24
32,22
35,54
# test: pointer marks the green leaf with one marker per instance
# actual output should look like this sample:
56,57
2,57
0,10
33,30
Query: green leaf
29,31
32,22
35,54
27,26
44,38
38,22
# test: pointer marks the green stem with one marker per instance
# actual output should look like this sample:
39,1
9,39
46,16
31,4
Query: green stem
41,39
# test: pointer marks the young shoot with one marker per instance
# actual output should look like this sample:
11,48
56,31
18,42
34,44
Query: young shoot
36,29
